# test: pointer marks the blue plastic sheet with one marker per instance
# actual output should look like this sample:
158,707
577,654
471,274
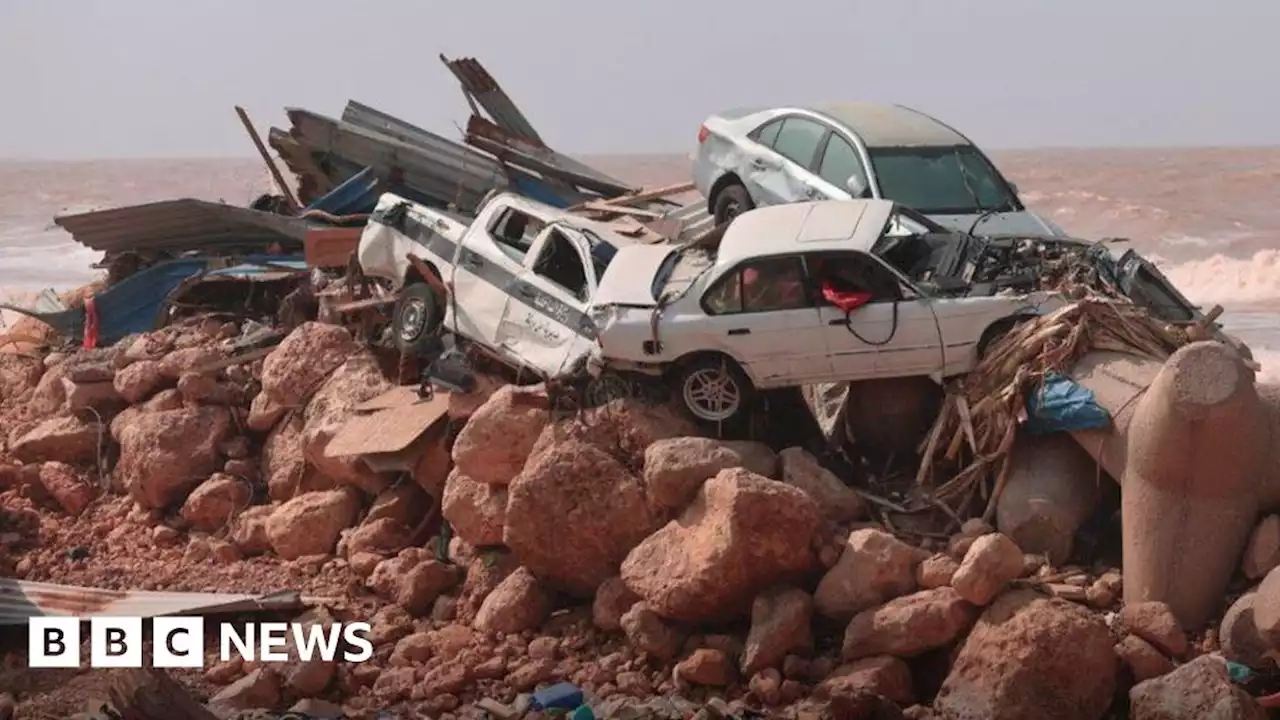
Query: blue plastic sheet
1062,405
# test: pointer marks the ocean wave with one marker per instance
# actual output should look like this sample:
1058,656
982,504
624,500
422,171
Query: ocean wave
1227,280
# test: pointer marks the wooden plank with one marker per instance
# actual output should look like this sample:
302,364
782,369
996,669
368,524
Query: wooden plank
266,158
597,206
388,431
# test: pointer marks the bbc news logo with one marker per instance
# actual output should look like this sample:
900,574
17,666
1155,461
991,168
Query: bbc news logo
178,642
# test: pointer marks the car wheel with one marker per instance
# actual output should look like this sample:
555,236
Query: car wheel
996,332
416,318
714,389
607,388
732,202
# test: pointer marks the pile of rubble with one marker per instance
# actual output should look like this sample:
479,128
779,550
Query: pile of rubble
661,572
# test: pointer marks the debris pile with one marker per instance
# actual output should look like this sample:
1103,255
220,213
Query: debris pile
658,571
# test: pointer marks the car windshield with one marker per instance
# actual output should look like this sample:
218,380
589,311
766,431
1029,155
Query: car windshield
942,180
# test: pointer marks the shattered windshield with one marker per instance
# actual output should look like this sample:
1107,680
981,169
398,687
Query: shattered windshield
942,180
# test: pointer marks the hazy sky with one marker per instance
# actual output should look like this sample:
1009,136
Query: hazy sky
157,78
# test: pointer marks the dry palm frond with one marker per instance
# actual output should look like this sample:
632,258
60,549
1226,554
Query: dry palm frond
976,428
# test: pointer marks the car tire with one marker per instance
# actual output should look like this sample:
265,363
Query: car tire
731,202
416,318
997,331
714,389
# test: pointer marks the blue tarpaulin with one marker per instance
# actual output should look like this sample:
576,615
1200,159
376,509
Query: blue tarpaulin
1062,405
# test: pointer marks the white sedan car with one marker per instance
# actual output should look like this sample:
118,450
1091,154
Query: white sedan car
805,293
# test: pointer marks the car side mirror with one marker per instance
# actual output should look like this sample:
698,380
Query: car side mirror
854,186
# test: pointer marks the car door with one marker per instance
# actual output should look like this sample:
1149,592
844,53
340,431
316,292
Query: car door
487,264
763,314
782,172
894,334
546,325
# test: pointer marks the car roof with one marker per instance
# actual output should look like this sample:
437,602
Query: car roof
882,125
822,225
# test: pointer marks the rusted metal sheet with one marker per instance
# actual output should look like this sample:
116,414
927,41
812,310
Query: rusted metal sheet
391,429
481,87
330,247
182,225
22,600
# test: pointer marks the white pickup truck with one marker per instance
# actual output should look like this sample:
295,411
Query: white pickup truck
520,276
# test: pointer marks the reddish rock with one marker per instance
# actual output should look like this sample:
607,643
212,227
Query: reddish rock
908,626
258,689
838,501
18,374
1239,634
1143,660
213,504
649,633
283,465
352,383
936,571
780,625
622,428
66,439
70,488
302,361
494,444
881,675
311,523
385,578
675,468
405,503
91,396
383,536
434,465
599,509
530,674
766,685
415,648
1032,657
1199,690
264,412
611,601
517,604
420,587
249,530
446,678
1263,553
48,397
742,534
707,667
875,567
163,455
991,563
1155,622
477,511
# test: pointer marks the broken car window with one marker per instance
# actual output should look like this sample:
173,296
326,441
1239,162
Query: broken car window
798,140
560,263
840,162
760,286
515,231
855,273
941,180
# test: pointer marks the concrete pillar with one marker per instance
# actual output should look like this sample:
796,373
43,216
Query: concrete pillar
1051,490
1195,451
1269,493
1117,380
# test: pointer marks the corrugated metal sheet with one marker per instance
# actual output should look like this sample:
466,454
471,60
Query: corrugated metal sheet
182,225
481,87
519,152
21,600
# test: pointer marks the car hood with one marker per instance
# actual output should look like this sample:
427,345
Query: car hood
1022,222
630,275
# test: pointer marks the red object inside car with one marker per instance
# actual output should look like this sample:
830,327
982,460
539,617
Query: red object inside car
846,300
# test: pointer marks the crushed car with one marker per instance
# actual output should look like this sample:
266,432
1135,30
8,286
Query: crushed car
517,281
757,157
833,291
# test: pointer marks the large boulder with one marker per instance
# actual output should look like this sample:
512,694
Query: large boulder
908,626
139,381
1199,690
49,396
311,523
675,468
65,438
780,626
477,511
874,568
1032,656
838,501
622,428
517,604
303,360
164,455
355,381
494,444
742,534
573,514
283,465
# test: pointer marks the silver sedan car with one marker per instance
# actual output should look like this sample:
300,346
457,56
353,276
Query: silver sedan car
757,157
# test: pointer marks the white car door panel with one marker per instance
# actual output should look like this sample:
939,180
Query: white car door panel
545,325
914,346
852,357
776,347
480,279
